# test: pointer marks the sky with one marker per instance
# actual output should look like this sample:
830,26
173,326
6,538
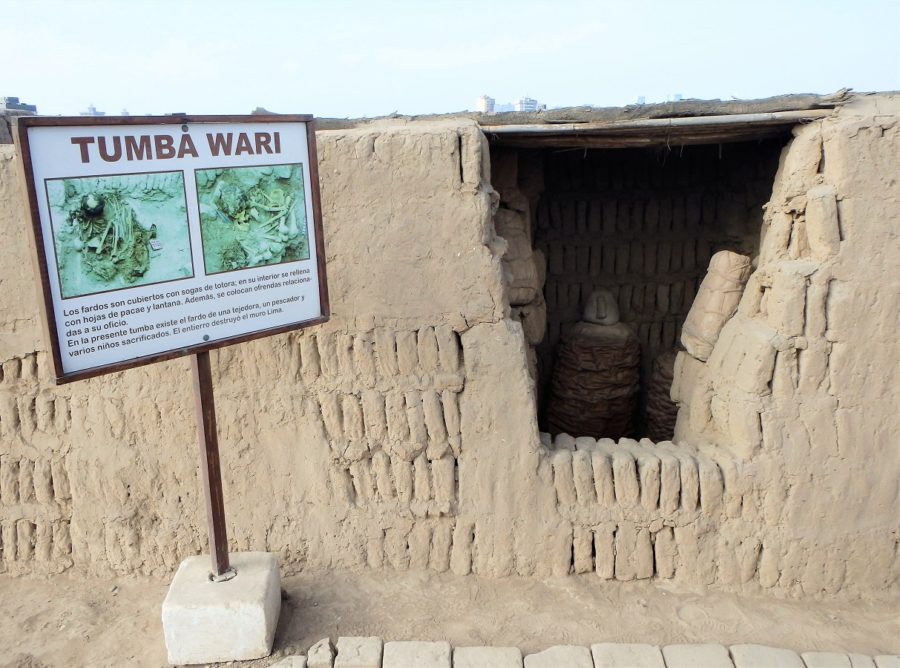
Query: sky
342,58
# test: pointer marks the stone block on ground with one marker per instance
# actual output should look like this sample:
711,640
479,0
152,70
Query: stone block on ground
415,654
861,661
291,662
620,655
234,620
887,661
487,657
763,656
693,656
321,655
570,656
825,660
358,652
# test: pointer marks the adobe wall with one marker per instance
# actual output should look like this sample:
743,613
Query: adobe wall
801,386
779,480
340,445
403,433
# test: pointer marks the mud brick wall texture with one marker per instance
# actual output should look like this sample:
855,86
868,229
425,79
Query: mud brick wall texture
403,433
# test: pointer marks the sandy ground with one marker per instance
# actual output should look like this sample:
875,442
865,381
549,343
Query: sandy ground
67,621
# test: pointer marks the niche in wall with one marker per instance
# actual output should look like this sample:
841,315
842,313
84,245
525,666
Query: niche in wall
641,224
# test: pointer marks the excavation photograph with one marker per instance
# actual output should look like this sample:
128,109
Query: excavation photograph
114,232
252,216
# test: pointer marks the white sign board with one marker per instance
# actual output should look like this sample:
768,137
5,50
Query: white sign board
158,237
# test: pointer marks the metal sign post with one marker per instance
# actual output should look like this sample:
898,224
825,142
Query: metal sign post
209,468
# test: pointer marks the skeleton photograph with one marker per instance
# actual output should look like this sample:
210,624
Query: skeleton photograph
252,216
114,232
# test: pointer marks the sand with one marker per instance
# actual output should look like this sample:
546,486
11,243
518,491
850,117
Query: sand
68,621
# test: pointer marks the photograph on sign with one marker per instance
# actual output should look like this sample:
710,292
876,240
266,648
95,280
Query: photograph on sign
114,232
157,237
252,216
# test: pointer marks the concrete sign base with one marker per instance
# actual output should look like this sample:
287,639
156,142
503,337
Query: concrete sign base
235,620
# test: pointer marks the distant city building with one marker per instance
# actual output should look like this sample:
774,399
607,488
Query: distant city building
641,99
92,111
485,105
13,104
488,105
526,104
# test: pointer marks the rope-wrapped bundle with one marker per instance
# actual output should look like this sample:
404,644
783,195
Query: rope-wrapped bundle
596,381
661,410
716,301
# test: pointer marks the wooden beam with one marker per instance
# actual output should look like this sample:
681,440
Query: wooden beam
652,132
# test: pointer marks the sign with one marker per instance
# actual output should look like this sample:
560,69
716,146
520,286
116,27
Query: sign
158,237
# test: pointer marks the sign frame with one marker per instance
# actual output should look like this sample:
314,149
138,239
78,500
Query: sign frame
21,124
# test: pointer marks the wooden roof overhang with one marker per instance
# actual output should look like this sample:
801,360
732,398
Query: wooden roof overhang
650,132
